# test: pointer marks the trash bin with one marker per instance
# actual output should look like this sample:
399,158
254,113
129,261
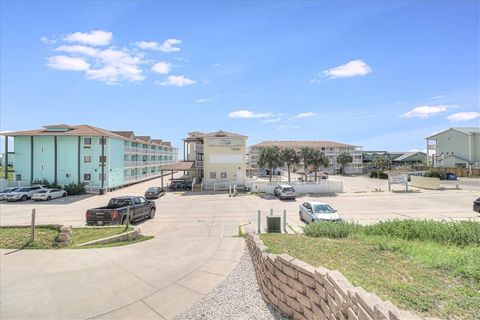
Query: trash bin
103,191
274,224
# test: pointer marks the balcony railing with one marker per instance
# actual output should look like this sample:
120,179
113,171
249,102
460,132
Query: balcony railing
199,163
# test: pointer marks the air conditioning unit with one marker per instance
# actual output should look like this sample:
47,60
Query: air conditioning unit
274,224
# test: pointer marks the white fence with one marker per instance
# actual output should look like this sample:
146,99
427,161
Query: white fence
322,186
7,184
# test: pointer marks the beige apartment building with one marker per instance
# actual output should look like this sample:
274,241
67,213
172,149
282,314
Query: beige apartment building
219,158
331,149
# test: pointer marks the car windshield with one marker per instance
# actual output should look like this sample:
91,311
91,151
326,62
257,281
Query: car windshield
7,190
323,208
43,191
23,190
152,189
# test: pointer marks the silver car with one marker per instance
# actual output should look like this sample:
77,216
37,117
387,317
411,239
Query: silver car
284,191
23,193
49,194
4,192
311,211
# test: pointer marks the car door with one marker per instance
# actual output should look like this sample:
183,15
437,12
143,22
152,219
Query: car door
303,210
308,212
144,206
137,208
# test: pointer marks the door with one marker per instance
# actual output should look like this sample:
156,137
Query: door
144,206
137,208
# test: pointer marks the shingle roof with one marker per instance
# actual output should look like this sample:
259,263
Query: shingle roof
408,155
85,130
465,130
301,144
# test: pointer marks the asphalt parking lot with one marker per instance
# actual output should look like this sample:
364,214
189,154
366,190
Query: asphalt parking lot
194,249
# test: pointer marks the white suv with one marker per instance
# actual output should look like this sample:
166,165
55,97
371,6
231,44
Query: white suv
284,191
24,193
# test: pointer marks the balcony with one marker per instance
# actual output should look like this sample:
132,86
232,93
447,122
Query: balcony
128,149
198,163
129,163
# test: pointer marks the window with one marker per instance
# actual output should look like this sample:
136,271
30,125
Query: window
213,175
142,200
43,149
102,139
223,175
42,167
87,159
136,201
87,143
87,176
100,176
102,159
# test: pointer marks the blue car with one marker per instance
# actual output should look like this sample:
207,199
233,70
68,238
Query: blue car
451,176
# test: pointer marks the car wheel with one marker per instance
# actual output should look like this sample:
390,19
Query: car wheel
24,198
152,213
300,215
64,194
49,198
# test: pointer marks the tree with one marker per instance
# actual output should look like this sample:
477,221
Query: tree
270,157
343,159
381,161
306,155
290,158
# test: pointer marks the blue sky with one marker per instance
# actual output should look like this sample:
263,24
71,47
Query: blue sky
383,75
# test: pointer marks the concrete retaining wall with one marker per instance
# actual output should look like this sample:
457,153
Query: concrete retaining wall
425,182
300,187
301,291
131,235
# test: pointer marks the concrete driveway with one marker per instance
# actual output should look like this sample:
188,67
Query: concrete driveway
194,248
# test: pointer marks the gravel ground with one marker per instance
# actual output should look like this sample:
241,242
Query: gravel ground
238,297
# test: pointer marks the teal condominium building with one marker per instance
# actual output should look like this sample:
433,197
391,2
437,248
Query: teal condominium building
100,158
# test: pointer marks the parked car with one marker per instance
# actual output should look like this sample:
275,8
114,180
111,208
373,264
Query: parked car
451,176
311,211
116,212
23,193
154,193
5,191
180,184
476,205
284,191
49,194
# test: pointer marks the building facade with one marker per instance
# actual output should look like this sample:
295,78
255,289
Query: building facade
219,158
411,158
331,149
100,158
454,147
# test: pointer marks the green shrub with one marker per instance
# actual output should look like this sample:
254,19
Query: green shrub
435,174
74,188
378,174
331,229
46,183
458,233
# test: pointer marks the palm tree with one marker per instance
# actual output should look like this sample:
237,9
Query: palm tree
270,157
343,159
290,157
306,157
319,159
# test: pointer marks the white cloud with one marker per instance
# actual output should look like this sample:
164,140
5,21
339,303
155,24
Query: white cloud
305,115
437,97
285,126
209,99
463,116
162,67
247,114
169,45
350,69
47,40
88,51
426,111
177,81
68,63
94,38
271,120
117,65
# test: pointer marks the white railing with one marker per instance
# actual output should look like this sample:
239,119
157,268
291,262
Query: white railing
8,184
129,149
323,186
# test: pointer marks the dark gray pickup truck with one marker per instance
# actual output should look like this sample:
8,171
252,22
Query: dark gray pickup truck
116,212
